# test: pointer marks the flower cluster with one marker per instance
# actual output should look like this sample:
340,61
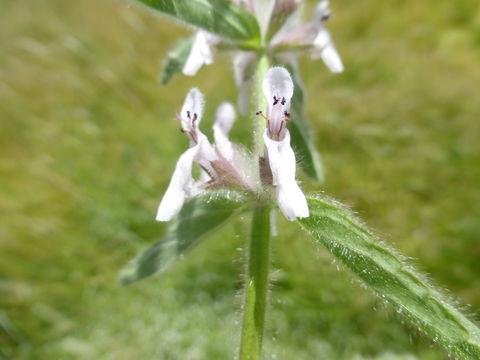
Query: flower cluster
216,161
284,35
223,165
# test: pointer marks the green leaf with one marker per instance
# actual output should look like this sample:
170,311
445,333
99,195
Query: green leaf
302,143
198,217
392,278
221,17
176,59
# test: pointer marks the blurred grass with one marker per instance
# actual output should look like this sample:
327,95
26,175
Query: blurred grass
88,143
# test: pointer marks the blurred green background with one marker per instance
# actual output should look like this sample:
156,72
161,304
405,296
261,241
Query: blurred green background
88,143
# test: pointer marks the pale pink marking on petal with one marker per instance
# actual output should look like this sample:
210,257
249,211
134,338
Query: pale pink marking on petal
278,91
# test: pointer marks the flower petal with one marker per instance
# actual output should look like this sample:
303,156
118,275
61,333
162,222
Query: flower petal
192,107
322,12
200,54
278,90
180,187
277,82
206,154
292,201
325,49
224,118
290,198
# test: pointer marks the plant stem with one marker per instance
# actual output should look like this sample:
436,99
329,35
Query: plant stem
260,103
256,279
256,285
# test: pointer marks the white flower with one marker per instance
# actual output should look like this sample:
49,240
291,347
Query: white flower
284,34
315,36
325,49
182,184
323,43
223,165
217,169
201,52
278,90
180,187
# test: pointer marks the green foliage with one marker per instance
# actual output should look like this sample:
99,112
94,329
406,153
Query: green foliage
176,59
198,217
392,278
222,17
88,145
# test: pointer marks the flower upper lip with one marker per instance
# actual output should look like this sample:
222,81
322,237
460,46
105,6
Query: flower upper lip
278,89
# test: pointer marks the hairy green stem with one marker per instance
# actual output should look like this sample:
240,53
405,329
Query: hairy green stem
256,285
260,103
258,251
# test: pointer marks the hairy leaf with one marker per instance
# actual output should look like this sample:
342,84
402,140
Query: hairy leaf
392,278
199,216
176,59
221,17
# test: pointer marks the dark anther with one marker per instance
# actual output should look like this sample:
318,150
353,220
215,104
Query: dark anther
287,114
326,17
194,117
188,114
275,100
261,114
283,101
